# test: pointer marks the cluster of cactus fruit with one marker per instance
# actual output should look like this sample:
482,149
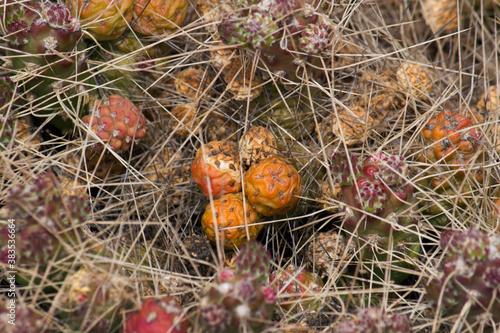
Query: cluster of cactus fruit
271,186
373,320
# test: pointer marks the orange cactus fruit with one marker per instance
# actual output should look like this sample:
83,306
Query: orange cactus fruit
117,122
104,19
273,186
451,133
157,17
216,169
232,221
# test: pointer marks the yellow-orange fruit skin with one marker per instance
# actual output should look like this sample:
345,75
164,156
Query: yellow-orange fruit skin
230,222
156,17
104,19
217,172
273,186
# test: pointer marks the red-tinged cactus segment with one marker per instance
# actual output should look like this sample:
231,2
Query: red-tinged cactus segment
290,34
253,259
231,29
233,222
44,221
273,186
296,289
43,39
239,302
117,122
157,315
471,276
7,89
260,29
373,320
378,195
104,19
216,169
345,168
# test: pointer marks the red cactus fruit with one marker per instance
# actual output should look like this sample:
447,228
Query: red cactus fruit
157,315
273,186
234,221
117,122
216,169
298,286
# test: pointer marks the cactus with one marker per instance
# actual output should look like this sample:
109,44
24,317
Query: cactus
18,317
45,223
289,34
43,42
240,301
470,277
216,169
117,122
373,320
377,194
92,300
7,89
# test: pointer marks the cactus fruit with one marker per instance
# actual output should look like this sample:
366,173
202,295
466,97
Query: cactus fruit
240,301
157,315
104,19
43,40
216,169
470,277
233,222
454,146
256,144
273,186
117,122
373,320
288,34
378,194
45,223
296,288
92,301
157,17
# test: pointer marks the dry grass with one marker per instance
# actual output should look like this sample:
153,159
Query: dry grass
145,205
